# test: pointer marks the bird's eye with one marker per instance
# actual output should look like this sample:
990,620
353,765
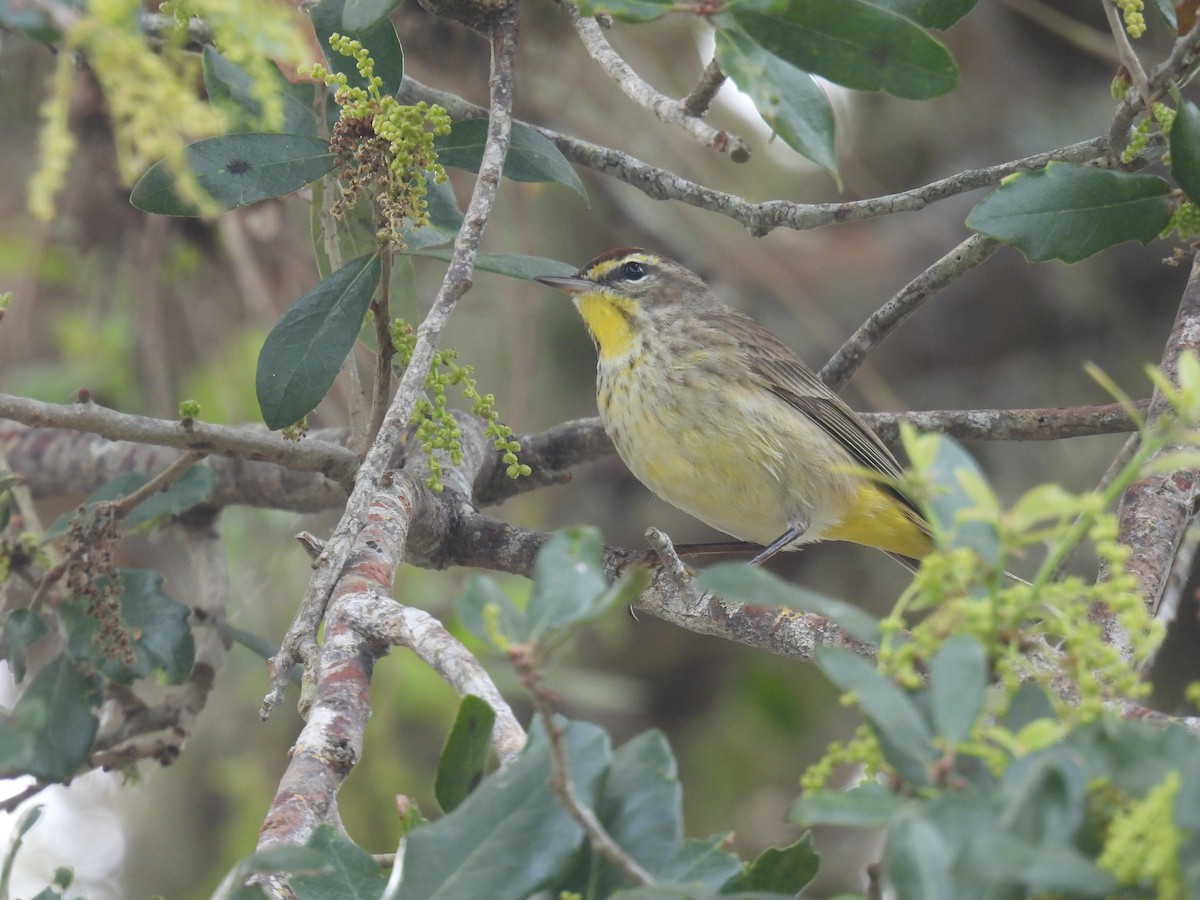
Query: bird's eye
633,271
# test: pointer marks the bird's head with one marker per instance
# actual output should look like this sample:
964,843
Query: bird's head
627,294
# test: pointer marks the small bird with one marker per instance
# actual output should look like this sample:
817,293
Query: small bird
716,416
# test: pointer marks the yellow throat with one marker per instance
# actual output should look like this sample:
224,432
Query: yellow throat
609,318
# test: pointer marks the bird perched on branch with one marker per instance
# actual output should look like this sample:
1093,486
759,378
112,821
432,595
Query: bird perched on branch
716,416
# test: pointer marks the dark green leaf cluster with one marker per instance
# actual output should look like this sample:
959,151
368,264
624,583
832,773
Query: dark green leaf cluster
1085,811
112,626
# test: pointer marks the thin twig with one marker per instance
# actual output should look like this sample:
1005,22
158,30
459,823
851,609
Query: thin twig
160,482
852,354
243,442
761,218
671,112
1128,56
700,97
1171,70
563,786
382,389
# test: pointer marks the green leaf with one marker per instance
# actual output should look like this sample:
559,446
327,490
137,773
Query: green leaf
957,679
490,614
231,88
855,43
305,350
157,625
511,836
902,731
362,15
568,580
916,859
1043,796
939,14
706,862
633,11
54,720
465,755
328,17
351,874
951,472
531,157
865,806
514,265
1028,704
994,859
641,807
1069,212
193,487
236,170
1185,149
22,629
788,99
783,870
750,584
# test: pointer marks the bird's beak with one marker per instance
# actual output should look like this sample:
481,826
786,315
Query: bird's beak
571,284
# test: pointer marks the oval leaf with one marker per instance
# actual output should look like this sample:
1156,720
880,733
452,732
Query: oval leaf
750,584
957,679
236,170
306,348
1069,212
230,87
362,15
787,98
530,158
465,754
917,859
511,835
866,806
854,43
903,733
53,722
1185,149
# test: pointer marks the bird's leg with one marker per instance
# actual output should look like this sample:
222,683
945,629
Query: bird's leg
795,530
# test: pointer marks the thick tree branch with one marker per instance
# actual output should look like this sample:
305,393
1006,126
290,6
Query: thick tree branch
299,640
1154,513
245,442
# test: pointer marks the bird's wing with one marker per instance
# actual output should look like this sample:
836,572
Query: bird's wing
792,381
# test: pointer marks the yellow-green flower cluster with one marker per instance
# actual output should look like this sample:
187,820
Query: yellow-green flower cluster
1162,118
150,94
1143,842
385,148
436,426
1131,11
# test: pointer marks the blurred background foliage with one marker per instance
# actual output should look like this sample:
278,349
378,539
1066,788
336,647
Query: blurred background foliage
145,311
